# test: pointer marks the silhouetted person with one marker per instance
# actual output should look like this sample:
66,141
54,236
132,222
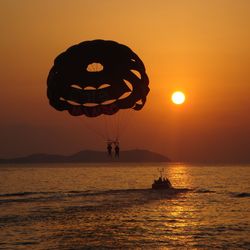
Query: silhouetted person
160,179
117,151
109,148
168,182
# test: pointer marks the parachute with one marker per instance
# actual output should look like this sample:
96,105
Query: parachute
96,78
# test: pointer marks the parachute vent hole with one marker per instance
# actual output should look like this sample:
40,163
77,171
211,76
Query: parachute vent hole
89,88
73,103
139,102
135,72
75,86
129,85
108,102
95,67
90,104
70,102
103,86
125,95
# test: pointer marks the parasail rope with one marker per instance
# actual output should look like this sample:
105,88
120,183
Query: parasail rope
89,127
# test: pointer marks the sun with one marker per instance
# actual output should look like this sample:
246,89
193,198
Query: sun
178,97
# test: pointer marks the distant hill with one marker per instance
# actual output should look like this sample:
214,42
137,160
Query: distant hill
136,155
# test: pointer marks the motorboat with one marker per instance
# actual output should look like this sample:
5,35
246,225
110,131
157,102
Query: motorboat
162,182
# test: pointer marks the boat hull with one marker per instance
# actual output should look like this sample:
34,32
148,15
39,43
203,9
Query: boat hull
161,186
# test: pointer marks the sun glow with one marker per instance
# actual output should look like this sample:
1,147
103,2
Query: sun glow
178,97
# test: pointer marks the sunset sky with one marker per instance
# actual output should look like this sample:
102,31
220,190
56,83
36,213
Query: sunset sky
200,47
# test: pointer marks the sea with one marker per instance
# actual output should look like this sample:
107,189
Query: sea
112,206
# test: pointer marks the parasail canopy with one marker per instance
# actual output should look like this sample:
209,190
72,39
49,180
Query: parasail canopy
97,77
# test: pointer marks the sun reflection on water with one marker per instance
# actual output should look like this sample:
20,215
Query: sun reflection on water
179,174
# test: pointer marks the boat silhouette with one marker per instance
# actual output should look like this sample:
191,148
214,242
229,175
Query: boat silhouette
162,182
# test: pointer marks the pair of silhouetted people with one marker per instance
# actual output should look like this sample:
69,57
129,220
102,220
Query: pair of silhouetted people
117,148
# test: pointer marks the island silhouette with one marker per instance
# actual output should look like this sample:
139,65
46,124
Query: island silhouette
88,156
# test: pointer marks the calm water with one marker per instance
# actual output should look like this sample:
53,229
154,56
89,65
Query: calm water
112,207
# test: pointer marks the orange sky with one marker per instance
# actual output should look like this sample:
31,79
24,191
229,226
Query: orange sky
198,46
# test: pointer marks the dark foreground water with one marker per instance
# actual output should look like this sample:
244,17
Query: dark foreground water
112,207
